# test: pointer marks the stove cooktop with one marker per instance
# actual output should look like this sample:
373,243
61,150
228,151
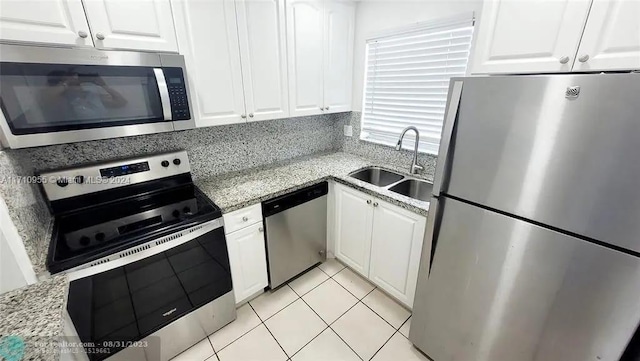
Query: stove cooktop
85,235
105,208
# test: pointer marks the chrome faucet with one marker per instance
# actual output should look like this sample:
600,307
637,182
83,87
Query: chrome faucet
415,167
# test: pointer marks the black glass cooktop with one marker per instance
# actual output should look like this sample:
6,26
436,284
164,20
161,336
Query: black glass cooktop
93,232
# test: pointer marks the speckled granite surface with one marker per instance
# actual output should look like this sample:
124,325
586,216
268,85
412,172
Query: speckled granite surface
26,206
234,191
34,315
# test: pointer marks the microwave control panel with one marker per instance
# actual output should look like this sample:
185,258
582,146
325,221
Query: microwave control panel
177,93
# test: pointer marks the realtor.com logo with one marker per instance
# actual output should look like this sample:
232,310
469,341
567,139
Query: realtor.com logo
11,348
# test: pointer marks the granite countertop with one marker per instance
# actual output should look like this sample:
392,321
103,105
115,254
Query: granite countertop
32,320
238,190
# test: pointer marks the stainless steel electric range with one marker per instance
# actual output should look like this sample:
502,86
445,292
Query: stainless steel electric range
145,253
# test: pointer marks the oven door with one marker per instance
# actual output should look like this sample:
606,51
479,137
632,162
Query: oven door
115,308
78,95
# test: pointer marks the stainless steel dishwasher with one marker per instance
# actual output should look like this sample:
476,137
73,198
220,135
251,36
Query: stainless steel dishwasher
296,232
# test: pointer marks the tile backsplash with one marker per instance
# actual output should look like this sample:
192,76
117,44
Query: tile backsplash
212,150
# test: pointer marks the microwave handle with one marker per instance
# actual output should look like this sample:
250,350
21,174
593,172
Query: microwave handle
164,93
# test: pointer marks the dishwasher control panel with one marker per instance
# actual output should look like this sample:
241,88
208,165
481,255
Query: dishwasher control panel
294,198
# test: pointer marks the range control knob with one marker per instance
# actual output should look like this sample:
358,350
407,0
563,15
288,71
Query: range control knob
175,213
165,163
186,210
84,240
79,179
62,182
176,161
100,236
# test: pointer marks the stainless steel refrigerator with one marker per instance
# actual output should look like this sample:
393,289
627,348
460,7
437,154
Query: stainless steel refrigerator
535,218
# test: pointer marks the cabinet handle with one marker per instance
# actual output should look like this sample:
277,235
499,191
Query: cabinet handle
250,115
100,36
244,219
83,34
321,108
243,116
375,204
327,108
260,229
564,60
583,58
368,201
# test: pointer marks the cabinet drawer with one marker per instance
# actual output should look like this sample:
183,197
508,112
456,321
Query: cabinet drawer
242,218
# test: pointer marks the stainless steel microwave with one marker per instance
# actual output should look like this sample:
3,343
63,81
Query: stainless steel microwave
61,95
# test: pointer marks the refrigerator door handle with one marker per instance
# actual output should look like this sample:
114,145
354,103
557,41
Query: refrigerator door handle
430,231
455,92
417,334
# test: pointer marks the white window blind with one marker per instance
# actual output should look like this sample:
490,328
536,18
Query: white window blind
407,80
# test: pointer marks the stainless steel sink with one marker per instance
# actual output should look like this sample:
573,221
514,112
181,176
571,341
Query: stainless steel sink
414,188
377,176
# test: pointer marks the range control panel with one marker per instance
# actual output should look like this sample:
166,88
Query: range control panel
177,93
124,169
72,182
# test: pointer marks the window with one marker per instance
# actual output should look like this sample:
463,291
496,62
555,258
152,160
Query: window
407,80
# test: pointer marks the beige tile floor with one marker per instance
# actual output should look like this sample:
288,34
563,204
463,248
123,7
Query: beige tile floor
328,314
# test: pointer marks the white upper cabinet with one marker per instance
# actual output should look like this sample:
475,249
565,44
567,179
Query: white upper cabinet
138,25
518,36
235,54
261,31
396,247
305,27
208,37
320,55
611,39
338,55
52,22
353,222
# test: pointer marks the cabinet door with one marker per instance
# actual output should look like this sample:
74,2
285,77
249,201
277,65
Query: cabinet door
338,55
396,246
248,261
208,36
529,36
305,45
262,34
136,25
54,22
353,221
611,39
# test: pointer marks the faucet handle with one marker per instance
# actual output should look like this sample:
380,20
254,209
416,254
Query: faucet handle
415,168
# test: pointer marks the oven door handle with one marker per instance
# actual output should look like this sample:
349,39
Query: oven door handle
164,93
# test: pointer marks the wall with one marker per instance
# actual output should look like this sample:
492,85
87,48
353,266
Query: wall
212,151
375,16
378,152
10,274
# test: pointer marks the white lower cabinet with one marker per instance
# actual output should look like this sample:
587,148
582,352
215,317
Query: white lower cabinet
248,260
396,246
354,217
381,241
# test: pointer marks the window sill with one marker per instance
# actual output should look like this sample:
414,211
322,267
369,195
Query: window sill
404,148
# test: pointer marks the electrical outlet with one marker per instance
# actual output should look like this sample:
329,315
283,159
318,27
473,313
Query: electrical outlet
348,131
